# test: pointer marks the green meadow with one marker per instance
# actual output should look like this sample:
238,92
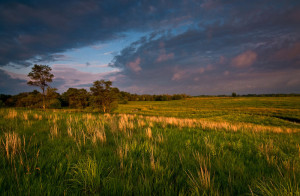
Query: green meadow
274,111
195,146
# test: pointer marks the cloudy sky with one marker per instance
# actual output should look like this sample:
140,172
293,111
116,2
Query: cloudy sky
159,46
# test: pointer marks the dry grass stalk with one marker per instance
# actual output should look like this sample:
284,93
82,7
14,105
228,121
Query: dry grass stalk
83,136
208,124
267,150
122,153
38,117
149,133
298,146
152,161
11,144
202,179
141,123
122,124
54,131
25,115
112,122
70,134
12,114
89,117
160,138
98,136
130,125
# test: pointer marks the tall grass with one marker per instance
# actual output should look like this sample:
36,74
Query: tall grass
61,152
85,176
12,145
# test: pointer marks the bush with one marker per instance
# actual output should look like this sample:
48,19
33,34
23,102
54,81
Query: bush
1,104
54,104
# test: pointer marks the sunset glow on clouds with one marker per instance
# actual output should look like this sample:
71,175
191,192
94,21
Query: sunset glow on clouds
193,47
245,59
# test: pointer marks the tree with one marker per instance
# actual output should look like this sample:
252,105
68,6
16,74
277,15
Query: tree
4,97
76,98
52,98
32,99
1,104
40,76
104,96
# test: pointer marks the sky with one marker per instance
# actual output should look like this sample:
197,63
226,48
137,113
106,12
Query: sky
197,47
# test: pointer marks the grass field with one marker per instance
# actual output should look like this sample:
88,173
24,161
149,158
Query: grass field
274,111
198,146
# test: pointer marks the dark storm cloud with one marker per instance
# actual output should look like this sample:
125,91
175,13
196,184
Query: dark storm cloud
35,30
12,86
197,47
251,48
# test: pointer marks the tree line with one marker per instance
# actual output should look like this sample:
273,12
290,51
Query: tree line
101,97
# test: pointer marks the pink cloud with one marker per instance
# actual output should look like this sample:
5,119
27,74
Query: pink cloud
75,78
135,65
185,73
165,57
98,47
67,77
288,53
226,73
209,4
245,59
16,75
179,74
92,64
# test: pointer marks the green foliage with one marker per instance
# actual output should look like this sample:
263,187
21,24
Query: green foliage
4,97
54,104
134,97
32,100
104,97
233,94
76,98
35,99
270,187
52,100
86,176
40,76
1,104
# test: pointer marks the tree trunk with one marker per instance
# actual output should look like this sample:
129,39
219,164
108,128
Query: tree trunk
44,105
104,108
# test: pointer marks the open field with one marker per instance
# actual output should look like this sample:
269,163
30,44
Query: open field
274,111
198,146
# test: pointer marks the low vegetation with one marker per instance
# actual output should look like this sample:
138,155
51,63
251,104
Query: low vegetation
152,150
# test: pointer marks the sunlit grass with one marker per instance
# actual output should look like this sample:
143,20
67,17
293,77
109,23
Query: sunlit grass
59,152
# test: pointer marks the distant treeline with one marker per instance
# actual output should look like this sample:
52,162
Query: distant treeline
81,98
253,95
75,98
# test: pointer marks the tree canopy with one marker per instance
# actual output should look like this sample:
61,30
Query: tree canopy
104,96
40,76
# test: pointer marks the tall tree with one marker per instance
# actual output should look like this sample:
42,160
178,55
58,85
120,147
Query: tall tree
40,76
104,96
